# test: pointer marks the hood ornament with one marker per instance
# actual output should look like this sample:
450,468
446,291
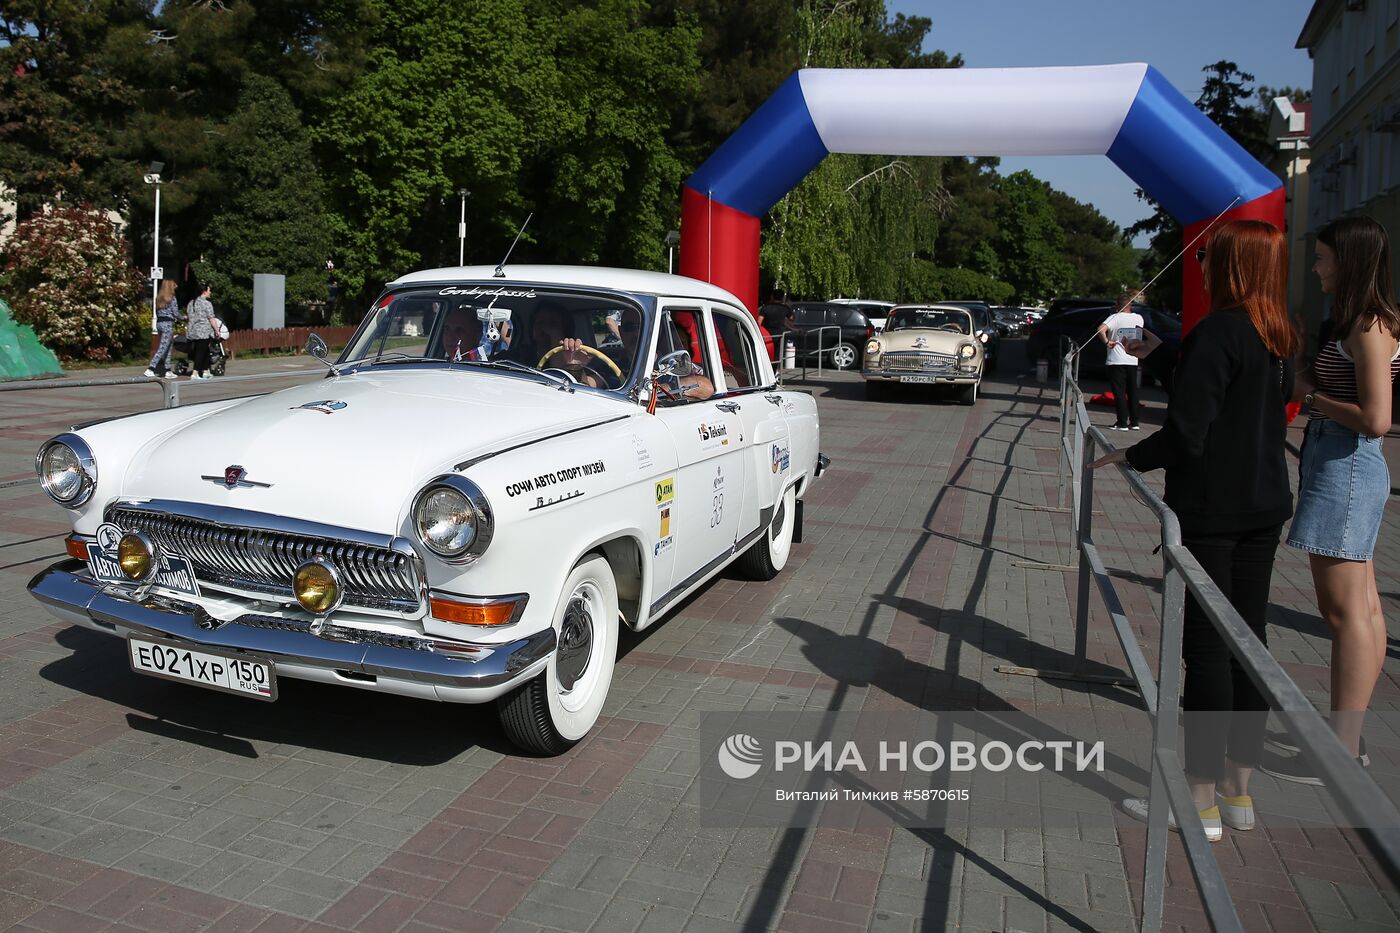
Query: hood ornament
920,342
235,477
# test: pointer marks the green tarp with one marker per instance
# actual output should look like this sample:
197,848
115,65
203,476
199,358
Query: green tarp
22,356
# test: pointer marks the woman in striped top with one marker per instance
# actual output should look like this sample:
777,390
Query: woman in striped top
1343,481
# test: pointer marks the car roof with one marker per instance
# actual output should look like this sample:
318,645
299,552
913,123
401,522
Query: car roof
627,280
861,301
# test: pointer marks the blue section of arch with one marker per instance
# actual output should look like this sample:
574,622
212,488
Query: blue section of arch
766,157
1168,147
1178,156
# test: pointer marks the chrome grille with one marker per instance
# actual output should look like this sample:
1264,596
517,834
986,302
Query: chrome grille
920,362
263,561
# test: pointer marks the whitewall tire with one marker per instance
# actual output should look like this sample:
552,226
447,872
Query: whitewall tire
555,709
767,556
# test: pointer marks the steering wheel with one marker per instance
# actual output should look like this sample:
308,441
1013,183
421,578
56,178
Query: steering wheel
586,349
952,327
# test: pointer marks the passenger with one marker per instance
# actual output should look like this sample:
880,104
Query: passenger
462,336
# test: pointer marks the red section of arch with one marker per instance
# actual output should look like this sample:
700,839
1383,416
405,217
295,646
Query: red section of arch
720,245
1194,301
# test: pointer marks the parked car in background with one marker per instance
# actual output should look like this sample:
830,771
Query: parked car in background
927,345
1010,322
831,329
1044,339
874,311
985,329
458,512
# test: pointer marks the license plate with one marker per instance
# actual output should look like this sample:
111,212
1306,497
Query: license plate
245,676
173,573
921,379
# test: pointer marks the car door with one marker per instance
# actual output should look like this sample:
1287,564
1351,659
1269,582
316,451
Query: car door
699,516
750,388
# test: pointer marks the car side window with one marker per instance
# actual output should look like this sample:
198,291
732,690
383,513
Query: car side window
738,355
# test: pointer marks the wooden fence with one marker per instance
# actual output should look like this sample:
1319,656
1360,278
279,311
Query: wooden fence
285,338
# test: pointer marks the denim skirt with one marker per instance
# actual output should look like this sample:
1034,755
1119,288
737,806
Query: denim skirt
1343,484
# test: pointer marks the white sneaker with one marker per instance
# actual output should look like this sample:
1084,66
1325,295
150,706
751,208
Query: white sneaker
170,374
1236,812
1136,807
150,374
194,376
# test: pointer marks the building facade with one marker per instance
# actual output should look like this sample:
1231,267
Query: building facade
1355,136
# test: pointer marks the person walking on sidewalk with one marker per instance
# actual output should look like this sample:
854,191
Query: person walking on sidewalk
199,332
1122,366
1343,481
167,313
1223,450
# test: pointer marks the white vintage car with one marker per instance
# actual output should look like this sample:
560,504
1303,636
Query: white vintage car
925,345
498,472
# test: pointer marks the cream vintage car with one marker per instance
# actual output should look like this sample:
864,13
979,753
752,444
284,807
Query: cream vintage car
499,471
925,345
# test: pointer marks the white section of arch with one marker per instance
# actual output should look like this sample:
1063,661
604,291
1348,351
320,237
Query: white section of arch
971,111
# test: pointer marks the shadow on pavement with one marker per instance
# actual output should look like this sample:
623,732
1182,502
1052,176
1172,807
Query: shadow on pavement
344,720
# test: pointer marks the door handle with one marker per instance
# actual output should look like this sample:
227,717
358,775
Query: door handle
730,407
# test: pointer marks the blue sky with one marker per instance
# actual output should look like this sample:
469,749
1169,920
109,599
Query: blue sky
1179,37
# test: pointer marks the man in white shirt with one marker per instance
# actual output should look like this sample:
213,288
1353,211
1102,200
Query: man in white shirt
1122,366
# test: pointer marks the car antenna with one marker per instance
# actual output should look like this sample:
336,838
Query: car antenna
501,269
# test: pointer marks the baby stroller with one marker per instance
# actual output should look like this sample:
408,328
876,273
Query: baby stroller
218,356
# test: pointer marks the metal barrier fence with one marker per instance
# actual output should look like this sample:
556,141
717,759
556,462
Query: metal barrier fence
1358,795
170,388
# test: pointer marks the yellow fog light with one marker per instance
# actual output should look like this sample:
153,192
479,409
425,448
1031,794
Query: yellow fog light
136,555
316,585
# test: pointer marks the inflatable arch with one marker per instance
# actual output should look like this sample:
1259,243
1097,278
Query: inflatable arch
1130,113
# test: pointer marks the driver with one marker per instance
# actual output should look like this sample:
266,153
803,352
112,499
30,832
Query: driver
693,386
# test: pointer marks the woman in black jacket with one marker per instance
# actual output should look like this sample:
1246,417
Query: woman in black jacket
1222,448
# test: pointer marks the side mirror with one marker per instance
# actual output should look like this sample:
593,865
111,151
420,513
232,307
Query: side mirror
678,363
317,347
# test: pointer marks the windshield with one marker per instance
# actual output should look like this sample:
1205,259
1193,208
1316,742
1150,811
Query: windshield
501,325
929,318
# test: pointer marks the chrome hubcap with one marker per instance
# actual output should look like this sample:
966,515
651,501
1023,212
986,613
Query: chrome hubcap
575,643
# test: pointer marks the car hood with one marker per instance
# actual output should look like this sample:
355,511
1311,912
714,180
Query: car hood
353,450
933,341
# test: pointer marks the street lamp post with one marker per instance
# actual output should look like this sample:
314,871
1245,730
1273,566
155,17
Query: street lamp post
462,228
157,273
673,239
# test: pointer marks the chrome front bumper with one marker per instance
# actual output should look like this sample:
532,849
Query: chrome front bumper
467,673
937,377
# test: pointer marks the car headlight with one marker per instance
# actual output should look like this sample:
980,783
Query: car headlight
967,351
872,347
453,519
67,470
982,336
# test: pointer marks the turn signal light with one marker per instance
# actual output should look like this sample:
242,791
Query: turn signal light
76,546
450,610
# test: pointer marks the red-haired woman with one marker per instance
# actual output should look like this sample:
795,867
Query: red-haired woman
1222,448
1343,482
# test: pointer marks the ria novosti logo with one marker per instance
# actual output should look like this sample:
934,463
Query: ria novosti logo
740,756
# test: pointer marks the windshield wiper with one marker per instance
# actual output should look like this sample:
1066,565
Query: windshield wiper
513,366
396,356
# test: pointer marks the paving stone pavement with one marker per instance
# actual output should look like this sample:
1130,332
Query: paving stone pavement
134,803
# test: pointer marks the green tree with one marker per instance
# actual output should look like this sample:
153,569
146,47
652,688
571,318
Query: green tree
1029,242
1101,259
557,107
69,276
272,218
69,73
972,199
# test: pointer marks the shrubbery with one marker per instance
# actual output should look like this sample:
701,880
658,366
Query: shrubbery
68,275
